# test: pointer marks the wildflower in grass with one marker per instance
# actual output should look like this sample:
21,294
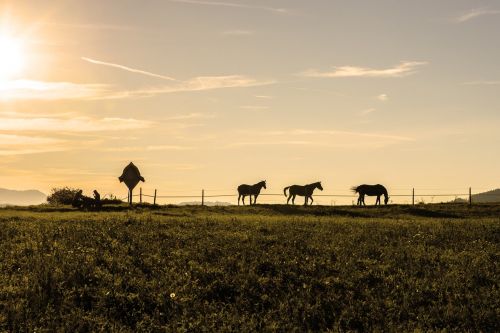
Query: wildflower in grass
172,295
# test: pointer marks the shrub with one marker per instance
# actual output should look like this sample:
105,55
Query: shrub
62,196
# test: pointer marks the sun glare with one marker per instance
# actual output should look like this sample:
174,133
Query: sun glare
12,59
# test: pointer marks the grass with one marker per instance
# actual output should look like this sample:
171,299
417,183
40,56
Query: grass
261,268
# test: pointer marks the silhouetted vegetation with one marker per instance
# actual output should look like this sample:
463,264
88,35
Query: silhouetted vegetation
257,268
62,196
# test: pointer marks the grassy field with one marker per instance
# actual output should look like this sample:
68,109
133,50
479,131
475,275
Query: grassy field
262,268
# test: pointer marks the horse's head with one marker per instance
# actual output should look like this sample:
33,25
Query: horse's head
318,185
263,184
386,200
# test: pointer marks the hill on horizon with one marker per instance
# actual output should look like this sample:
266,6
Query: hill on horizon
489,196
21,198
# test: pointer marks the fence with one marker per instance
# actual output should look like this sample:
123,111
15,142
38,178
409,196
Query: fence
411,197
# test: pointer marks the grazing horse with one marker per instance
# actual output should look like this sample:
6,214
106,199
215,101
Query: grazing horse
371,190
302,190
244,190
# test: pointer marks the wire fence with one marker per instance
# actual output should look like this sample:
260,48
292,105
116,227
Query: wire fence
411,197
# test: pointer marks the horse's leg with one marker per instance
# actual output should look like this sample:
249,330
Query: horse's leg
255,199
293,199
306,198
288,200
312,200
239,196
363,200
377,202
130,197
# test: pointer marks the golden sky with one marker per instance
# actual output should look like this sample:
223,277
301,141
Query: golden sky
212,94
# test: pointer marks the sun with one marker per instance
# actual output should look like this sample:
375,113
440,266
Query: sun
12,57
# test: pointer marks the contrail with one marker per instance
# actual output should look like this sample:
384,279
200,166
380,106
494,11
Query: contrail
128,69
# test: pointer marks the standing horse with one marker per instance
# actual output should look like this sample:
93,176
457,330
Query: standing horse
371,190
302,190
244,190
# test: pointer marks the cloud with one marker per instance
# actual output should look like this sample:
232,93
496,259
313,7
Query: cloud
482,83
474,14
403,69
201,83
317,138
368,111
128,69
42,90
232,5
89,26
192,116
76,124
382,97
22,145
147,148
254,107
238,33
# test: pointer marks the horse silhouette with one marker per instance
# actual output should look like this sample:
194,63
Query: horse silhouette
244,190
302,190
371,190
131,177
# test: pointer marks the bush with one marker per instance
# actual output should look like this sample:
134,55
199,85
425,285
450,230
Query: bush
62,196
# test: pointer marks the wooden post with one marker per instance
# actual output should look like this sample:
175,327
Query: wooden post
203,197
413,197
154,200
140,195
470,196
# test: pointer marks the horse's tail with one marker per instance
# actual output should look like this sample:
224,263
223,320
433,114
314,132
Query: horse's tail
354,189
284,190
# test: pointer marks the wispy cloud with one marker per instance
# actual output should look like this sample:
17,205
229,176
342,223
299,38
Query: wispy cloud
233,5
405,68
317,138
254,107
147,148
192,116
238,33
383,97
368,111
482,83
474,14
128,69
43,90
201,83
89,26
74,124
21,145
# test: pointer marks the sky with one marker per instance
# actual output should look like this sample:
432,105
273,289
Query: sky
204,94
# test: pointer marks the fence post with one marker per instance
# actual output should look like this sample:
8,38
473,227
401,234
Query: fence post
203,197
140,195
470,196
154,200
413,197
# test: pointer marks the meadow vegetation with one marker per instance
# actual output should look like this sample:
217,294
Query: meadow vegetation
260,268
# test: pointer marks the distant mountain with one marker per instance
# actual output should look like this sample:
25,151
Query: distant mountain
21,198
207,203
490,196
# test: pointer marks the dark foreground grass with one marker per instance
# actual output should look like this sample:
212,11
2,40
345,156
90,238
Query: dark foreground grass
268,268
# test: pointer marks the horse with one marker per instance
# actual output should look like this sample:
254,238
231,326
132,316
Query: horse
302,190
244,190
371,190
